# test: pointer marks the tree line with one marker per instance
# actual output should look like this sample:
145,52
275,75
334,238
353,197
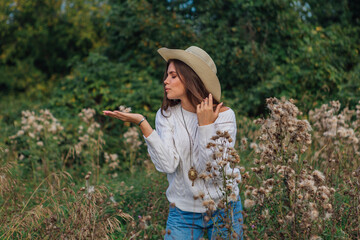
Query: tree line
103,53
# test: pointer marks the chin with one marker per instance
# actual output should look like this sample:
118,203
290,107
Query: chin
170,97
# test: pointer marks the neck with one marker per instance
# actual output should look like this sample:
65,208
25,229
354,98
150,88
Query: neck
185,104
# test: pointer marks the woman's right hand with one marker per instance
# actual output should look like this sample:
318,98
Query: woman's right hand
123,116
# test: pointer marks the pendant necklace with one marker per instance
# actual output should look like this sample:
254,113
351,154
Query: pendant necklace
192,174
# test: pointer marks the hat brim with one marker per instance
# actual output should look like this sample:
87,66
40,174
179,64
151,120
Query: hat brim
207,76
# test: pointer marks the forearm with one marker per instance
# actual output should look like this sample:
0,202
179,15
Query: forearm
146,128
162,155
160,143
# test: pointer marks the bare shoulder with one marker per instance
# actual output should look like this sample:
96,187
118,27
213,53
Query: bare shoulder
223,109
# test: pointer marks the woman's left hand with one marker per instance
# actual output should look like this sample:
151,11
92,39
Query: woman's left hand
205,112
123,116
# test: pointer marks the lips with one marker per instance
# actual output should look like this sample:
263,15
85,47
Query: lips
167,89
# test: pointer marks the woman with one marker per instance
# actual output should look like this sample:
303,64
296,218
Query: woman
190,115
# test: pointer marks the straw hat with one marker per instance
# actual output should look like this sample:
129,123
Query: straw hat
200,62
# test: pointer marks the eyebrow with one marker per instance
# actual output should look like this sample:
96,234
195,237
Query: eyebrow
172,72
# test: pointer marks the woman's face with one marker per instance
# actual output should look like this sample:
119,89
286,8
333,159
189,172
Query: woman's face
174,88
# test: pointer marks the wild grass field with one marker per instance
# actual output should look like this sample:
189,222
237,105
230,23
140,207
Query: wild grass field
300,177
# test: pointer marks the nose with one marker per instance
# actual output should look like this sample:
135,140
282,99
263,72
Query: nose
166,80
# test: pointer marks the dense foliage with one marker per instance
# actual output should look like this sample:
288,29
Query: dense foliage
40,40
307,50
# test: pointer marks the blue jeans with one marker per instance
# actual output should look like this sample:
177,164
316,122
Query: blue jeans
190,225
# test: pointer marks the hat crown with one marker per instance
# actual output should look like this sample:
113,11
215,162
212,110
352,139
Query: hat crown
203,56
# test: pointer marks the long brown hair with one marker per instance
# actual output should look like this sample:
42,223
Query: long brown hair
194,87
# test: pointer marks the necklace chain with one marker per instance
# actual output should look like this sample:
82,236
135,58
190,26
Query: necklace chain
191,142
192,173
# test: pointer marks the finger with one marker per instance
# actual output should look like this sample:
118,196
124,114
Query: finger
202,105
217,110
208,104
111,114
206,101
210,101
198,108
107,113
121,115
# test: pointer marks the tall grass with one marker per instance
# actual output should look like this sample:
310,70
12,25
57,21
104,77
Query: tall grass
300,178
